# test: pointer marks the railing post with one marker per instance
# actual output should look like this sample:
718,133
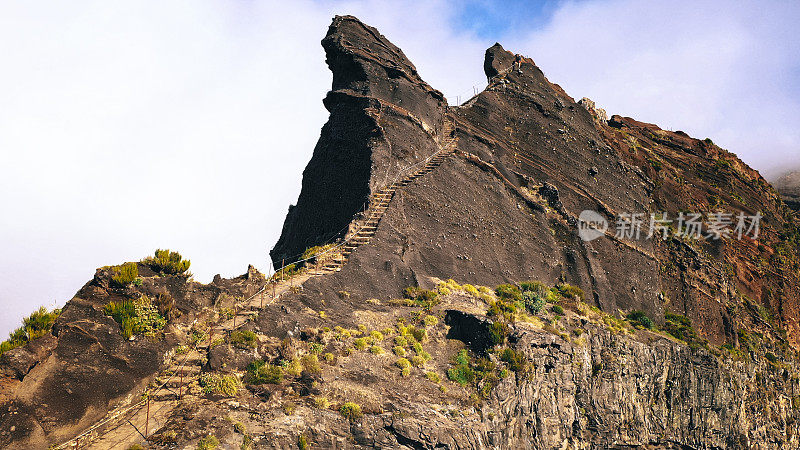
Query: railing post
147,421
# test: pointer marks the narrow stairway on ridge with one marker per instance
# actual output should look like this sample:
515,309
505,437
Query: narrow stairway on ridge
367,227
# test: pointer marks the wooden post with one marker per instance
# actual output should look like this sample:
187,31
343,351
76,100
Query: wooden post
262,300
147,421
180,386
273,291
283,266
235,308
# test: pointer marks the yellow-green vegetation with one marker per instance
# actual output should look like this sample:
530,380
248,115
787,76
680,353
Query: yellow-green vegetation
209,442
461,372
328,357
351,411
286,271
415,296
315,347
125,274
34,326
214,383
239,428
166,262
681,328
136,316
376,335
404,365
376,350
243,339
322,402
399,351
481,373
514,359
259,372
302,443
640,320
312,254
310,363
360,343
401,340
430,321
433,376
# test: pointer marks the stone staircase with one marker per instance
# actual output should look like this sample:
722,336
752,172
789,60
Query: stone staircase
367,227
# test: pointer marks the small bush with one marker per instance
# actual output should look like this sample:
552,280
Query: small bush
430,321
640,320
259,372
239,428
167,263
462,373
533,301
125,274
418,333
417,361
302,443
322,402
433,376
515,360
421,297
508,292
557,309
209,442
166,306
498,331
376,350
310,363
351,411
401,341
398,350
376,335
226,385
360,343
570,291
328,357
403,363
135,317
244,339
39,323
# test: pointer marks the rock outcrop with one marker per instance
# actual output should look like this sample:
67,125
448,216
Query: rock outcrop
789,187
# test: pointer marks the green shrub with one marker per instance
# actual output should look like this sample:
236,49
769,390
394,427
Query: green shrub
310,363
461,373
351,411
376,350
570,291
421,297
430,321
417,361
508,292
640,320
360,343
403,363
498,331
433,376
39,323
302,443
208,443
558,310
259,372
376,335
243,339
167,263
125,274
398,350
681,328
418,333
401,341
136,316
311,253
166,306
533,301
212,383
514,359
239,428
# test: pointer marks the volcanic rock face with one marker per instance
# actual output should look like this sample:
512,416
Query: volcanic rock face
532,159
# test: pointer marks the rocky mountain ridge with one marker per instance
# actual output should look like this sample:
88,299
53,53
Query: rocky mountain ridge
544,340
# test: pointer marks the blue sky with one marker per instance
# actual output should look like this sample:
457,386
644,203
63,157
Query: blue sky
133,125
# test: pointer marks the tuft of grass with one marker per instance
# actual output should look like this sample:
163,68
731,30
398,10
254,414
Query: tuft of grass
259,372
213,383
243,339
461,373
166,262
433,376
514,359
351,411
570,291
209,442
376,350
310,363
558,309
125,274
508,292
360,343
421,297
